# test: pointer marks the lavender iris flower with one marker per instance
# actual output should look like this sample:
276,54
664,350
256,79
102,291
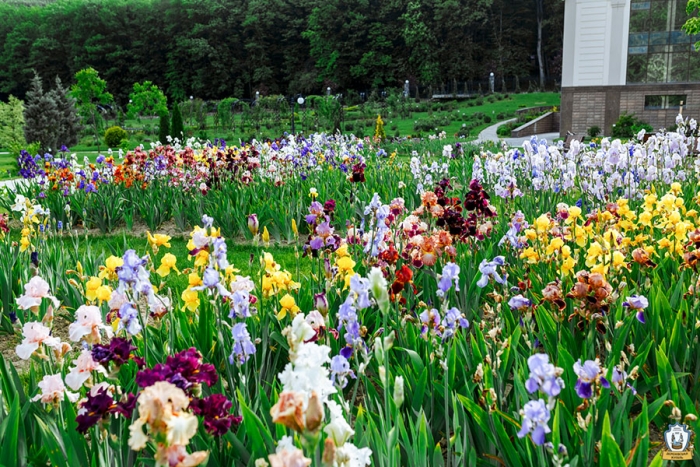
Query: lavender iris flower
129,319
453,320
543,376
489,269
240,304
588,374
638,303
518,302
340,370
212,280
450,274
534,422
243,347
360,286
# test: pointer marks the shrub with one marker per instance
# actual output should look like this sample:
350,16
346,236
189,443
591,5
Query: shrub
628,125
505,130
430,124
479,101
394,127
349,126
491,99
594,131
114,136
487,119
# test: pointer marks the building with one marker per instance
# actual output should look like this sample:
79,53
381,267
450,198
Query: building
623,56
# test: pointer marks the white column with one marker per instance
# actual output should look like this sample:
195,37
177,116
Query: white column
568,62
619,39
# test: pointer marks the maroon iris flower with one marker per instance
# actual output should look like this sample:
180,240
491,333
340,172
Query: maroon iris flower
99,405
215,410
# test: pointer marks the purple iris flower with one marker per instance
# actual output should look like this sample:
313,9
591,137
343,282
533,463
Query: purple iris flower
588,374
129,319
518,302
212,280
360,286
453,320
429,319
340,370
243,347
240,304
450,274
638,303
543,376
534,422
489,269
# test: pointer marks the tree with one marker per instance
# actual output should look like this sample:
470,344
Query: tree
164,127
692,26
89,91
41,117
539,9
176,129
147,99
12,124
70,126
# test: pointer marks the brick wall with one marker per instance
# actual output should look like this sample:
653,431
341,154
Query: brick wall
584,107
547,123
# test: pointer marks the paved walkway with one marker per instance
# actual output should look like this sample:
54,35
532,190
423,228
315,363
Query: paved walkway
491,134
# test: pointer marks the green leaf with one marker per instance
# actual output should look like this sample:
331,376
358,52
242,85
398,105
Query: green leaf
9,450
260,439
610,454
479,415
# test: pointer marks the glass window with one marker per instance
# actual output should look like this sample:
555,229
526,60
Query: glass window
637,69
679,37
658,38
679,67
663,102
680,15
657,68
636,6
659,16
639,21
694,66
639,39
658,50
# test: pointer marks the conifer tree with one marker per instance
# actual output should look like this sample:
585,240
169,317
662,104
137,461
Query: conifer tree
176,129
379,132
70,126
164,127
41,117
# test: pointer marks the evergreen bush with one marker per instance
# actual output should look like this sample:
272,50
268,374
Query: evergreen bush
164,127
176,129
114,136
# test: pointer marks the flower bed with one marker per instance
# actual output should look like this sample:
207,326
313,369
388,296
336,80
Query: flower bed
526,307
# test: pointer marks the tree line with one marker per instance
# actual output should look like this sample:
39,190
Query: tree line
214,49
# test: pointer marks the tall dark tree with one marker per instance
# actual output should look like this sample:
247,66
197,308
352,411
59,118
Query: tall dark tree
70,126
41,117
164,127
176,129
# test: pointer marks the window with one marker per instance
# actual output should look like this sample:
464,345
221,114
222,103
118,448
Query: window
658,51
663,102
